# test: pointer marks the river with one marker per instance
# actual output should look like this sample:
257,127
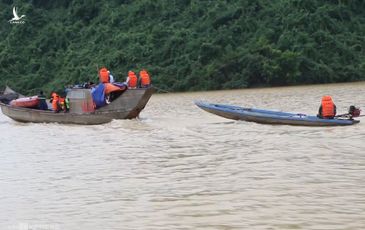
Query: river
179,167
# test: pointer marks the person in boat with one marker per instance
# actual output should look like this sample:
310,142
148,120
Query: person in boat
104,75
144,79
132,80
327,109
67,104
55,102
42,101
62,104
111,77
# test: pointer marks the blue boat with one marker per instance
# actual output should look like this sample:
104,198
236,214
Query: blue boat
272,117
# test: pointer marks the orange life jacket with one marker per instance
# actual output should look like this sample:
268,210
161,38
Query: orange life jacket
328,107
55,102
145,78
132,83
104,75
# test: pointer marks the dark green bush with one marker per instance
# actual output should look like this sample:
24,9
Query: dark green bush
185,44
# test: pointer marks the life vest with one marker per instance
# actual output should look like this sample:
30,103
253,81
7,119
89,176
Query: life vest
67,103
328,107
55,102
132,83
104,75
145,78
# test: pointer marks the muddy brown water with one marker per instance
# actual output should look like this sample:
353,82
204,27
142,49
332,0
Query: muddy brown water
179,167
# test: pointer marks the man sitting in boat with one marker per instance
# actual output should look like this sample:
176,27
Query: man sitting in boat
327,110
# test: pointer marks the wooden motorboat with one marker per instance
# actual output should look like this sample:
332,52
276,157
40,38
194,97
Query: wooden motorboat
128,105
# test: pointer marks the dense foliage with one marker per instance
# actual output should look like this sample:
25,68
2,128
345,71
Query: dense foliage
184,44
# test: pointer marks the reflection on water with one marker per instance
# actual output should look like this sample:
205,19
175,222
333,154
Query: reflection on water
178,167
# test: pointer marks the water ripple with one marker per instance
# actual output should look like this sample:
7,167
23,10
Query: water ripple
178,167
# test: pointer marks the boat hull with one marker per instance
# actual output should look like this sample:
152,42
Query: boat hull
127,106
271,117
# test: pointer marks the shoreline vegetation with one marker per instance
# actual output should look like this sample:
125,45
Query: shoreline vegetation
186,45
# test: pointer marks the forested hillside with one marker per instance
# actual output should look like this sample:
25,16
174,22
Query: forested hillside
184,44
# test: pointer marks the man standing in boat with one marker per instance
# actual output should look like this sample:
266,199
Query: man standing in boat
104,75
132,80
55,102
144,79
42,101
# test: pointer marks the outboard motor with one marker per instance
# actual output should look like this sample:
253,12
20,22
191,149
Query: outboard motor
354,111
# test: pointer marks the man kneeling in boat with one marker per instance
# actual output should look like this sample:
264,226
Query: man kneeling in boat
327,110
